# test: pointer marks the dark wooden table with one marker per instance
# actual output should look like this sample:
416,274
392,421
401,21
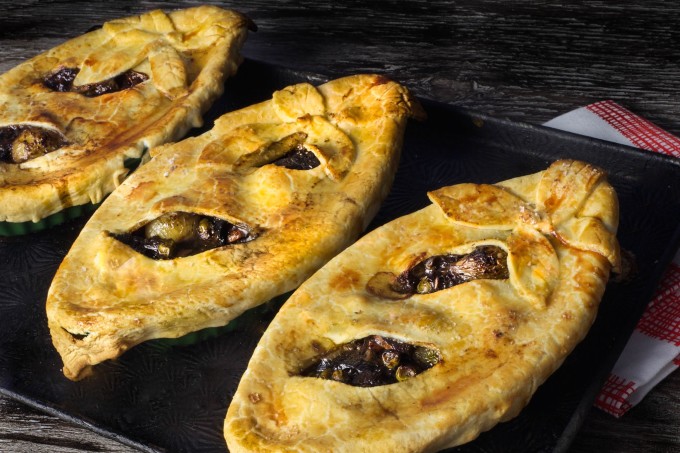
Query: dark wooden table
523,60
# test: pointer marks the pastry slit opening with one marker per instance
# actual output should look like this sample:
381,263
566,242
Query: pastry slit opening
289,152
373,361
22,142
440,272
62,80
299,158
180,234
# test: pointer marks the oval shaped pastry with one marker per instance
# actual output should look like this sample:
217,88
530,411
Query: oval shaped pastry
493,300
219,223
73,118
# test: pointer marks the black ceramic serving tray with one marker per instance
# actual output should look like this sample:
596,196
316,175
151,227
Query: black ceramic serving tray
167,397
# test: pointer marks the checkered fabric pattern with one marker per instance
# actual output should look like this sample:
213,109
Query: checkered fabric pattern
653,351
661,317
614,395
640,132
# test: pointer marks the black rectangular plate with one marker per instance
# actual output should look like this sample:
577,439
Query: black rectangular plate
162,396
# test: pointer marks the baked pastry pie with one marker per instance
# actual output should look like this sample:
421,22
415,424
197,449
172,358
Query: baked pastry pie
219,223
437,325
73,119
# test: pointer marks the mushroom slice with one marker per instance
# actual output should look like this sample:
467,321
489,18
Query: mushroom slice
22,142
179,234
62,80
272,152
439,272
373,361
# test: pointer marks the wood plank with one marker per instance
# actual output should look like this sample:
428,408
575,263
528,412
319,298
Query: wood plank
522,60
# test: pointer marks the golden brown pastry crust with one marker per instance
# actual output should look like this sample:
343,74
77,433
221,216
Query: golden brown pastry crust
498,339
187,55
119,298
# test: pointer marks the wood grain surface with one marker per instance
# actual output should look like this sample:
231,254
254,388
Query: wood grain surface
523,60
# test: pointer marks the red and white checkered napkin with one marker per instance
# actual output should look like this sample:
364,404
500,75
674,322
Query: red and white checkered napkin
653,350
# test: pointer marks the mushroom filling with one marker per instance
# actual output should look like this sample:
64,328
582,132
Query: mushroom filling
444,271
20,142
373,361
62,81
441,272
288,152
179,234
300,158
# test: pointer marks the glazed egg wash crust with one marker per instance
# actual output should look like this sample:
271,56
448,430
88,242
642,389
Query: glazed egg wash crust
437,325
73,119
219,223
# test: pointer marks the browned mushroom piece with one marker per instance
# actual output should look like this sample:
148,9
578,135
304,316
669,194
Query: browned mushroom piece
439,272
372,361
62,80
22,142
180,234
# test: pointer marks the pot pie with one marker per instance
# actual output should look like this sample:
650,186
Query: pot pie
75,119
437,325
219,223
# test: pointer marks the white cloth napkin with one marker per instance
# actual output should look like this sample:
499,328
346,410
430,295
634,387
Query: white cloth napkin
653,350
